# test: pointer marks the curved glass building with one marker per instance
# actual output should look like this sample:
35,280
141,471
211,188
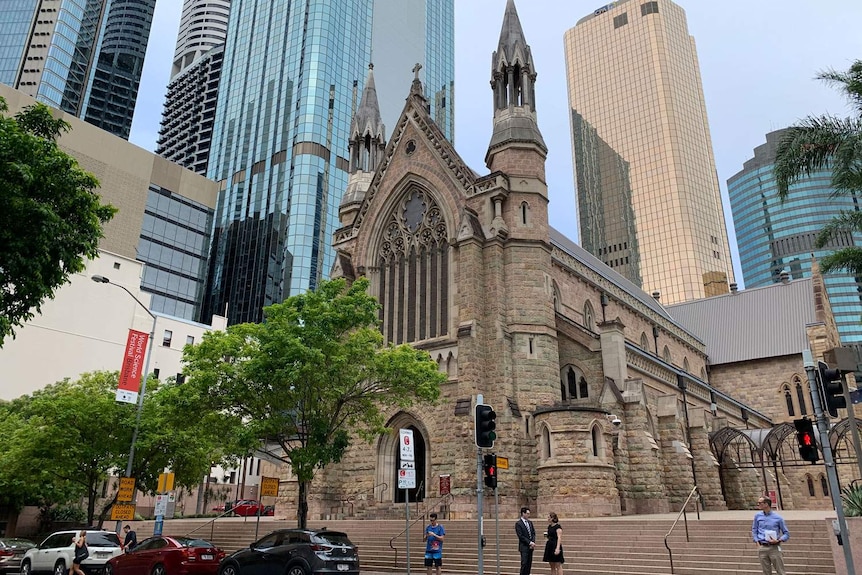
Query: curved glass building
291,79
775,236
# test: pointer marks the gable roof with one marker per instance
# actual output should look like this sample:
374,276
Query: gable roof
756,323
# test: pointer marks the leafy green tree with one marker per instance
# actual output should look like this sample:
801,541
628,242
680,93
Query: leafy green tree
828,142
50,215
68,438
314,372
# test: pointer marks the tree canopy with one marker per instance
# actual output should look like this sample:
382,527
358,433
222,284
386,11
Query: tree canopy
50,216
62,442
829,142
313,374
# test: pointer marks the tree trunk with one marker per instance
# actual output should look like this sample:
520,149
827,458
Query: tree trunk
91,503
302,507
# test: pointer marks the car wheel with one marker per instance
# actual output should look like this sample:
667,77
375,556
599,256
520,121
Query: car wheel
228,569
109,569
25,568
158,570
60,568
296,570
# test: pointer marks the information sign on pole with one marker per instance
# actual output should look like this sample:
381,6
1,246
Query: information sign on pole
126,490
406,441
269,486
445,484
123,512
406,479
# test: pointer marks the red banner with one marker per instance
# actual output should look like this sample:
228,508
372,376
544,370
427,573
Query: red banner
133,365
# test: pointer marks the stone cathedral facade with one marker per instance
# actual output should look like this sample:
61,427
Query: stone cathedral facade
604,405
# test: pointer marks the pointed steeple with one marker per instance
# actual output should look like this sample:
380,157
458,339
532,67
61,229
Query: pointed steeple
513,81
366,146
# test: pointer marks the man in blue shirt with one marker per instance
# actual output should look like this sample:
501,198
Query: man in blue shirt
434,535
768,531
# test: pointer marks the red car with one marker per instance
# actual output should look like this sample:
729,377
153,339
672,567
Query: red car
174,555
247,507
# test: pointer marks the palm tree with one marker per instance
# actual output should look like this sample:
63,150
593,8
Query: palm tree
819,142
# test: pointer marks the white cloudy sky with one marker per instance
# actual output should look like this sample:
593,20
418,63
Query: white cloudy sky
757,59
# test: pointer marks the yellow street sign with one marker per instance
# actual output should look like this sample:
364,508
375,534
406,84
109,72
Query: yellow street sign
166,482
123,512
502,462
269,486
126,491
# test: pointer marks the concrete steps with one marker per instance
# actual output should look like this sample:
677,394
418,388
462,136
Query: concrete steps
622,546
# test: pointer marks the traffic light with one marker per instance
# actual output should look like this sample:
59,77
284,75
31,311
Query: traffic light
485,425
490,467
833,389
805,438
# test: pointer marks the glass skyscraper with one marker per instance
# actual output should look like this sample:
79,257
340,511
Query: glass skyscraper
291,80
776,237
84,57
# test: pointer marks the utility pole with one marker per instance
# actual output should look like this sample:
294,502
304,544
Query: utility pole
831,472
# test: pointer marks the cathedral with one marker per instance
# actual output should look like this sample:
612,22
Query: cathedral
604,402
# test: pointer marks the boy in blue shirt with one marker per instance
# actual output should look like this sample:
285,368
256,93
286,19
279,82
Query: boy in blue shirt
769,531
434,535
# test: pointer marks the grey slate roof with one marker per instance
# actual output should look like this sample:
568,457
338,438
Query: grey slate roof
751,324
598,266
512,38
367,120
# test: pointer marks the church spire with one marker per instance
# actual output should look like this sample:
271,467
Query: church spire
513,81
367,133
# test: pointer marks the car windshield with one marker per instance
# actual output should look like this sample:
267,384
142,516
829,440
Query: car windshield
15,543
331,538
102,539
188,542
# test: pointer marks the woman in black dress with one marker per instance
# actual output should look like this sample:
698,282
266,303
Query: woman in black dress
554,546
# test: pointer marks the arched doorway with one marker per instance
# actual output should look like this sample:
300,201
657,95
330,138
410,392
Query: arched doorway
388,464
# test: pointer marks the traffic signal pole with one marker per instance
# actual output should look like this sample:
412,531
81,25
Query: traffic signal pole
811,370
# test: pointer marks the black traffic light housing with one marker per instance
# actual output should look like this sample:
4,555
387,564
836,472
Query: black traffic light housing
832,388
485,425
806,440
490,467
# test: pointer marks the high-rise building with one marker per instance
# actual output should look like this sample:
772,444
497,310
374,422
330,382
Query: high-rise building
189,114
292,77
776,238
84,57
648,196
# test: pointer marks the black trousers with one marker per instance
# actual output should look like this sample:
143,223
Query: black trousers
526,561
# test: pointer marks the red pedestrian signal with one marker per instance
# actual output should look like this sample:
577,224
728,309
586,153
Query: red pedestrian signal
490,467
806,440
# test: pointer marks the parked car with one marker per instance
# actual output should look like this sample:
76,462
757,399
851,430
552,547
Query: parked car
172,555
295,552
247,507
11,552
56,552
269,510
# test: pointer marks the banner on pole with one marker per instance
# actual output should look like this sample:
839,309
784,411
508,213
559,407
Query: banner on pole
133,364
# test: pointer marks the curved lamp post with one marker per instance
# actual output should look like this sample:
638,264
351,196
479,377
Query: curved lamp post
104,280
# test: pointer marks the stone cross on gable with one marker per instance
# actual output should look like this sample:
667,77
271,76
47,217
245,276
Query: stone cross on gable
416,69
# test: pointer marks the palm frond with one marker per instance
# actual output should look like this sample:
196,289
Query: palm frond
847,259
809,147
851,497
846,222
849,82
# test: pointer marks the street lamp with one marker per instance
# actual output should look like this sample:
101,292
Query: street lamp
104,280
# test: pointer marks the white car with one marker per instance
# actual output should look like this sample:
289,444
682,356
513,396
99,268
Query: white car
55,553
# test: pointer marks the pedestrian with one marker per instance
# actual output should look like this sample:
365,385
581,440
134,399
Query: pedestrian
554,546
81,553
434,535
768,531
131,540
526,540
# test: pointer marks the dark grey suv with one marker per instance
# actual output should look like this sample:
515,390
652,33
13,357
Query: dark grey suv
295,552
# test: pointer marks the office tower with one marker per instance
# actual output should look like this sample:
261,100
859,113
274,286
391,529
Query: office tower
776,239
189,114
292,77
647,190
84,57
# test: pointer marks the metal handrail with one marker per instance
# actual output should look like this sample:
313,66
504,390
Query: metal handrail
212,521
685,520
350,499
412,523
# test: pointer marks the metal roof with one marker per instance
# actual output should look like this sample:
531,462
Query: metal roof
751,324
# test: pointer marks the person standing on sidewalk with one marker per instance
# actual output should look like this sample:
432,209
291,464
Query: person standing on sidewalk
768,531
526,540
434,535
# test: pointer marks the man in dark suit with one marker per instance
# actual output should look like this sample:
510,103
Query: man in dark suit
526,540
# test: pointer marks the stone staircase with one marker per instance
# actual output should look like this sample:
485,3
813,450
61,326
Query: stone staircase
623,546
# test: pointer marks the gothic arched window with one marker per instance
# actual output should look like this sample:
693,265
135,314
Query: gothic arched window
788,399
644,341
546,442
810,485
573,384
824,486
413,271
800,397
596,436
665,354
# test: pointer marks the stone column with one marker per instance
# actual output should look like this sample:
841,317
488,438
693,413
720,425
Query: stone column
675,453
708,479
